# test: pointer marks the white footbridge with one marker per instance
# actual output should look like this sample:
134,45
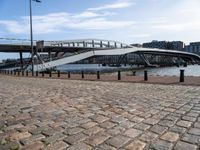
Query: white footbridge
86,48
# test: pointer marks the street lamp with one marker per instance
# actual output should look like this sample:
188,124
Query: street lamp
31,34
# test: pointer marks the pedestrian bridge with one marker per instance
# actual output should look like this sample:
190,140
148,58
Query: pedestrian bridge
86,48
121,51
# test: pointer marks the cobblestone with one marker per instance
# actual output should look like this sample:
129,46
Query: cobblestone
133,133
97,139
68,114
75,138
185,124
148,136
142,126
193,139
161,145
170,136
178,129
159,129
60,145
81,146
136,145
118,141
194,131
184,146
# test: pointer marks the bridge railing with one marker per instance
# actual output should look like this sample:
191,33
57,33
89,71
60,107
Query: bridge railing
91,43
82,43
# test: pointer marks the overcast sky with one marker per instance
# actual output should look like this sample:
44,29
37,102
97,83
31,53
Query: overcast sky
129,21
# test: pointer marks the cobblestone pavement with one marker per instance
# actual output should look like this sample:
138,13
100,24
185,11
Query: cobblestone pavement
81,115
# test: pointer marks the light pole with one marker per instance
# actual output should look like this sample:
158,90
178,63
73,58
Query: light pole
31,34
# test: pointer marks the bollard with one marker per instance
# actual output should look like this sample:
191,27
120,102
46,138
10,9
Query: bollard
98,75
32,73
11,72
22,73
26,72
119,75
50,74
181,75
42,74
58,73
36,73
82,74
14,72
145,75
18,73
69,74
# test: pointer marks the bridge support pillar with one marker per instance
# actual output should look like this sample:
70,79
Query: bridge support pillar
49,53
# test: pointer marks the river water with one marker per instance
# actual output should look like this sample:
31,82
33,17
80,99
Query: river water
190,70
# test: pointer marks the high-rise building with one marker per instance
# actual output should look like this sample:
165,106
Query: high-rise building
194,47
174,45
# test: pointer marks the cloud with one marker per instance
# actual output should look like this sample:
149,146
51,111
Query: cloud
12,26
59,22
98,18
178,26
141,35
89,14
117,5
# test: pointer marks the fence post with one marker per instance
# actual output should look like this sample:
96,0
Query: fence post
36,73
82,74
145,75
119,75
98,75
50,74
58,73
181,75
69,74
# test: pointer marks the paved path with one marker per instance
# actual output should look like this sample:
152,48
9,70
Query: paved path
38,113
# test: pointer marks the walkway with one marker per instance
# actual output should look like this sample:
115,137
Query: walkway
38,113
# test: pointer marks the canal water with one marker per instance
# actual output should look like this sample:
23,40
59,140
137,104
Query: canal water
190,70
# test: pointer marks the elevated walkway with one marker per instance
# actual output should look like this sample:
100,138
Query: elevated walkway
86,48
111,52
